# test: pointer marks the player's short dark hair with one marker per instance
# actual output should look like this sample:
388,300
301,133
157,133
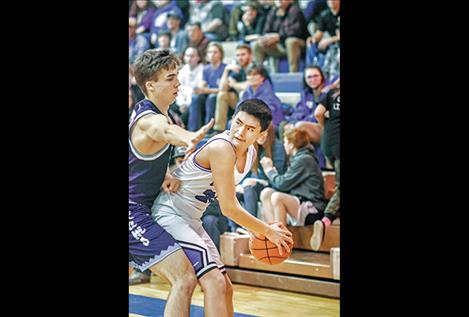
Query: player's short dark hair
148,65
258,109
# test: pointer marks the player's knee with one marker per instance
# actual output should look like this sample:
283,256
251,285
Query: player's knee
214,282
185,284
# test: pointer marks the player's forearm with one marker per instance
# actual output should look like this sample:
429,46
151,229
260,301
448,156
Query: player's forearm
174,134
245,219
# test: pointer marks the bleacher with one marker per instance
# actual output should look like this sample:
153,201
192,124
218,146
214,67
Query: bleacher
305,271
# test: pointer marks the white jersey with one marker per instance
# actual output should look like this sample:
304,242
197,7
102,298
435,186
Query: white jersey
197,190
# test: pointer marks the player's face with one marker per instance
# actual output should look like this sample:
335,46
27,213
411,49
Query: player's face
166,88
245,129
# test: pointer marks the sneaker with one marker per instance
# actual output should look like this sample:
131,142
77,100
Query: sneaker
138,278
318,235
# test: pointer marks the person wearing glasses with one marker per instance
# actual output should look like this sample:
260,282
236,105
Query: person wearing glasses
302,114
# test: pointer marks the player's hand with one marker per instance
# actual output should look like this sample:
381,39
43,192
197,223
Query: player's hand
280,236
171,185
197,137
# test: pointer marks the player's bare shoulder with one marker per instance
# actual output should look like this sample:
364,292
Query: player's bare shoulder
144,132
218,151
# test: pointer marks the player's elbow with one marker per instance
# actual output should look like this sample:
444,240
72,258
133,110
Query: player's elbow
227,209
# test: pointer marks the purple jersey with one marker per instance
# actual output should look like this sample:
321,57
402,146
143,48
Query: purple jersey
146,172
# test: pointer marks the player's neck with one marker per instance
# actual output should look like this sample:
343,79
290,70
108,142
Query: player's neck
240,151
161,107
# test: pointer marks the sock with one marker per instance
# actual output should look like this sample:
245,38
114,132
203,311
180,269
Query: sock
327,221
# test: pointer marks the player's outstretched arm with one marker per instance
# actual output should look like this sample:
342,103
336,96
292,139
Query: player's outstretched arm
222,160
157,128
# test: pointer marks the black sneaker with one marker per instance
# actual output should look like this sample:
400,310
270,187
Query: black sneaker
318,235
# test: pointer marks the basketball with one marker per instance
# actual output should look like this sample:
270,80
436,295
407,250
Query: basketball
265,251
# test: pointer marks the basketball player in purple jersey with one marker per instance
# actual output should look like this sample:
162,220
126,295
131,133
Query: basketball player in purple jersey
151,136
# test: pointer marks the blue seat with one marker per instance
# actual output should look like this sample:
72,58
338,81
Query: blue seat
287,82
283,65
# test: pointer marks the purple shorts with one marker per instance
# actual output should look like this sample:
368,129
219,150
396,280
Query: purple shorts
149,243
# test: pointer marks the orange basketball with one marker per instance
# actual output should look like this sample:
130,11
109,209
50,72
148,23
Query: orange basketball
265,251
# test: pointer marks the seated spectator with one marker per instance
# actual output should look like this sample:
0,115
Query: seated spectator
204,97
260,86
197,38
190,76
142,11
164,39
313,10
302,114
318,44
284,34
332,58
160,18
179,38
330,145
297,196
313,83
251,24
235,16
248,192
137,43
212,17
233,82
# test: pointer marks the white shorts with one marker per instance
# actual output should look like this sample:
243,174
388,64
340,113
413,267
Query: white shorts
305,208
193,238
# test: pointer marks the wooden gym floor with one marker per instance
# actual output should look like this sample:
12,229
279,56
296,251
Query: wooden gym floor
248,300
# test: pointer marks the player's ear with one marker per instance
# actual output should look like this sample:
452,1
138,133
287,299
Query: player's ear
149,86
262,135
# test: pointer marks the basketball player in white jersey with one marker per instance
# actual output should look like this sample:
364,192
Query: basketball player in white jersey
212,172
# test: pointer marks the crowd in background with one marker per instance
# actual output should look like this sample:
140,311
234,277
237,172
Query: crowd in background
286,182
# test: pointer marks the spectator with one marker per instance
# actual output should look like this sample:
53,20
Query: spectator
313,10
332,58
317,44
178,36
160,18
164,39
233,82
251,23
212,17
298,197
137,43
197,38
284,34
143,11
204,97
328,115
302,114
260,87
190,76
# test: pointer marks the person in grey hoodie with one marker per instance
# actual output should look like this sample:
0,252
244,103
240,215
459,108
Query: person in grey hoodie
299,196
